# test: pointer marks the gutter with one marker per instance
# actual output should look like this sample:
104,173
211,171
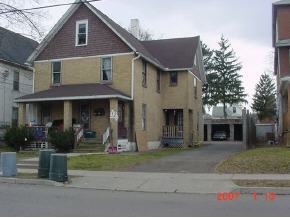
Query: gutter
133,74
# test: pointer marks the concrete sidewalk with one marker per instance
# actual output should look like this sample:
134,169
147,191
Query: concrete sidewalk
165,182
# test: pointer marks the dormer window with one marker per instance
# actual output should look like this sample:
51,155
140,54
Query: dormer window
81,32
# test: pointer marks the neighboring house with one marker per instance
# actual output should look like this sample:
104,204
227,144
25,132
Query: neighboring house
16,79
281,43
91,71
232,124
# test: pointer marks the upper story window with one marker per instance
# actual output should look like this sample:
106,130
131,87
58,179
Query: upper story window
16,81
106,69
158,73
81,32
56,73
173,78
144,73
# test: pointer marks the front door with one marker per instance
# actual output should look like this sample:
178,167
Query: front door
85,115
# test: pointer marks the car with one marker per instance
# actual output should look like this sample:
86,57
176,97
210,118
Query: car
219,136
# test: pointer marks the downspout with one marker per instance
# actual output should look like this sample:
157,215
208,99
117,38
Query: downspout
133,74
33,90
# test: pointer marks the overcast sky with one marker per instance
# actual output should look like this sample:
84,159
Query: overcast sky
246,23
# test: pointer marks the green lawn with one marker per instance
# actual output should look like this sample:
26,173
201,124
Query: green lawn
261,160
116,161
20,154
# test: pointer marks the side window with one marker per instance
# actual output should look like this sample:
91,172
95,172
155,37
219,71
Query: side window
81,32
173,78
16,81
158,73
56,73
144,116
195,87
234,110
144,73
106,69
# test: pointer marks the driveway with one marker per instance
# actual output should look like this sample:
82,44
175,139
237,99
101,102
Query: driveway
201,160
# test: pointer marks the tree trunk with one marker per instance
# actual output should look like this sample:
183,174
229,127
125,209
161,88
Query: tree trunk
224,108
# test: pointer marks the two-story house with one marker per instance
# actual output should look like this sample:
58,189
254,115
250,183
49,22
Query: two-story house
91,71
16,79
281,43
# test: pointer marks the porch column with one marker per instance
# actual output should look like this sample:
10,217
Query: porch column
232,132
67,115
21,114
209,132
114,120
186,133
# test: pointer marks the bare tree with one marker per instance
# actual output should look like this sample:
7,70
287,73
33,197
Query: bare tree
25,22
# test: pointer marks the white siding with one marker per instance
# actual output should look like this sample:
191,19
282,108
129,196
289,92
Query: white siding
6,89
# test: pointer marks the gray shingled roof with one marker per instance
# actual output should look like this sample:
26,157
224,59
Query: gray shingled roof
173,53
74,92
15,47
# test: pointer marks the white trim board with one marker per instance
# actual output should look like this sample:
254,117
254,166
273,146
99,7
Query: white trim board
94,56
72,98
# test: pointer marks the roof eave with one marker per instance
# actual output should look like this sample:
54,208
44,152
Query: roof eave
118,96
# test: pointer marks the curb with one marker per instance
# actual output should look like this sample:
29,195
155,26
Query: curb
263,190
30,181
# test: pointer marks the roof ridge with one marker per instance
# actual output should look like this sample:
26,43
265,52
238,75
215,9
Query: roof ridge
154,40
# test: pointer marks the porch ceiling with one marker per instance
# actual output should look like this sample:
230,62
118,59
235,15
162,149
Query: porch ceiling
74,92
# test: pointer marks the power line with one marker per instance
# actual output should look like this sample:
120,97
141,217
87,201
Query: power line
48,6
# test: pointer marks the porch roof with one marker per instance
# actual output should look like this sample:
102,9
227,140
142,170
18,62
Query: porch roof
74,92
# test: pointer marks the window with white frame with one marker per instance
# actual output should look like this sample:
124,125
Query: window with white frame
106,71
81,32
56,73
16,80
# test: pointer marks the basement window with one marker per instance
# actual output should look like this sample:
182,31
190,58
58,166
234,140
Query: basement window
81,32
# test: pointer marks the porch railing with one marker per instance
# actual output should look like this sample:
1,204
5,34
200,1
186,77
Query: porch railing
106,135
78,134
172,132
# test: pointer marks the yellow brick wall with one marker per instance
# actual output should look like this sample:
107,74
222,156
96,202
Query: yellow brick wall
86,70
151,98
174,97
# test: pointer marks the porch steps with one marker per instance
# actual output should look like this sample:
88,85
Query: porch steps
89,148
27,164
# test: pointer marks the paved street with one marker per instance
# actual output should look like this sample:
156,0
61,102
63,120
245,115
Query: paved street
202,160
33,200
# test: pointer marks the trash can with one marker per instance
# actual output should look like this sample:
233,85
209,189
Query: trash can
8,164
58,168
44,162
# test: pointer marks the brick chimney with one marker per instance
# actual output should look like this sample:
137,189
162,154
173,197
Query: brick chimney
135,28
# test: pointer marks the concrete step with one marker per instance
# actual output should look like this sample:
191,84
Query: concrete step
27,166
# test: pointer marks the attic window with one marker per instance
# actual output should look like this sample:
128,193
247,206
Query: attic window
81,32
